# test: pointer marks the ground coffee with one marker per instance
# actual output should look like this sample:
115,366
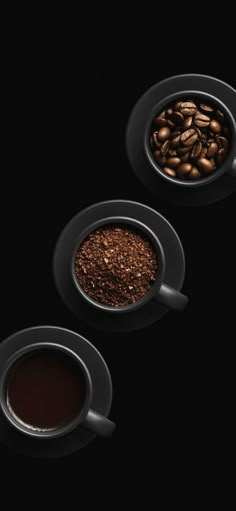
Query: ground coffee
116,266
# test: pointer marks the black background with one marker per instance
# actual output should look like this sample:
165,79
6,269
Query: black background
67,114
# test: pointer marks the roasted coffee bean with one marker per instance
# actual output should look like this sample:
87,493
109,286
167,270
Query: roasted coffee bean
212,149
193,133
206,108
175,134
177,105
194,174
170,172
185,157
159,158
196,150
173,162
160,121
176,117
165,147
205,165
201,120
220,116
183,150
176,141
163,134
222,143
220,156
188,122
188,108
172,152
188,137
184,169
171,124
169,112
204,152
215,127
157,143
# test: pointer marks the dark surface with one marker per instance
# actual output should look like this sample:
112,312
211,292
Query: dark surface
68,99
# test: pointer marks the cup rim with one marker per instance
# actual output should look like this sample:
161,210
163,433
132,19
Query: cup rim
221,169
139,226
20,426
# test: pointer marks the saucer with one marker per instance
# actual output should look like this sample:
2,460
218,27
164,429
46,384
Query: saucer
101,400
215,191
133,320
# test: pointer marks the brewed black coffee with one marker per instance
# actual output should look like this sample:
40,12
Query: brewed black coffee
45,390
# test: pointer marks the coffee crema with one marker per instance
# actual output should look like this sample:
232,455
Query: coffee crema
45,390
116,265
190,139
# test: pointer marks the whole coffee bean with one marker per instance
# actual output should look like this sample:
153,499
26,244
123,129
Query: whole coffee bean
157,143
204,152
220,156
184,169
194,174
188,137
213,162
175,134
173,162
177,105
185,157
159,158
165,147
196,150
163,134
183,150
169,112
188,108
222,143
176,141
220,116
176,117
215,126
172,152
206,108
171,124
205,165
201,120
170,172
160,121
212,150
188,122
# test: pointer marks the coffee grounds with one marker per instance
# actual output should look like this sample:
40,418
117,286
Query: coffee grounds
116,266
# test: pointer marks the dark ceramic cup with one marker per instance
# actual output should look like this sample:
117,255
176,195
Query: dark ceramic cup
229,165
86,418
160,292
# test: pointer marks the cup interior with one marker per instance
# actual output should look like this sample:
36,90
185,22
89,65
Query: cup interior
134,226
45,390
186,95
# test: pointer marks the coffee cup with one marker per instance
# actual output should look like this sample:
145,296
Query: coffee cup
160,291
46,392
229,164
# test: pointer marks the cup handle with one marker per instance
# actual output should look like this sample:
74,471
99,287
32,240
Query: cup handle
171,297
232,172
98,424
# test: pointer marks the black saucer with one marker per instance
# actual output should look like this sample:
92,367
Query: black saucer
214,192
102,391
149,313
